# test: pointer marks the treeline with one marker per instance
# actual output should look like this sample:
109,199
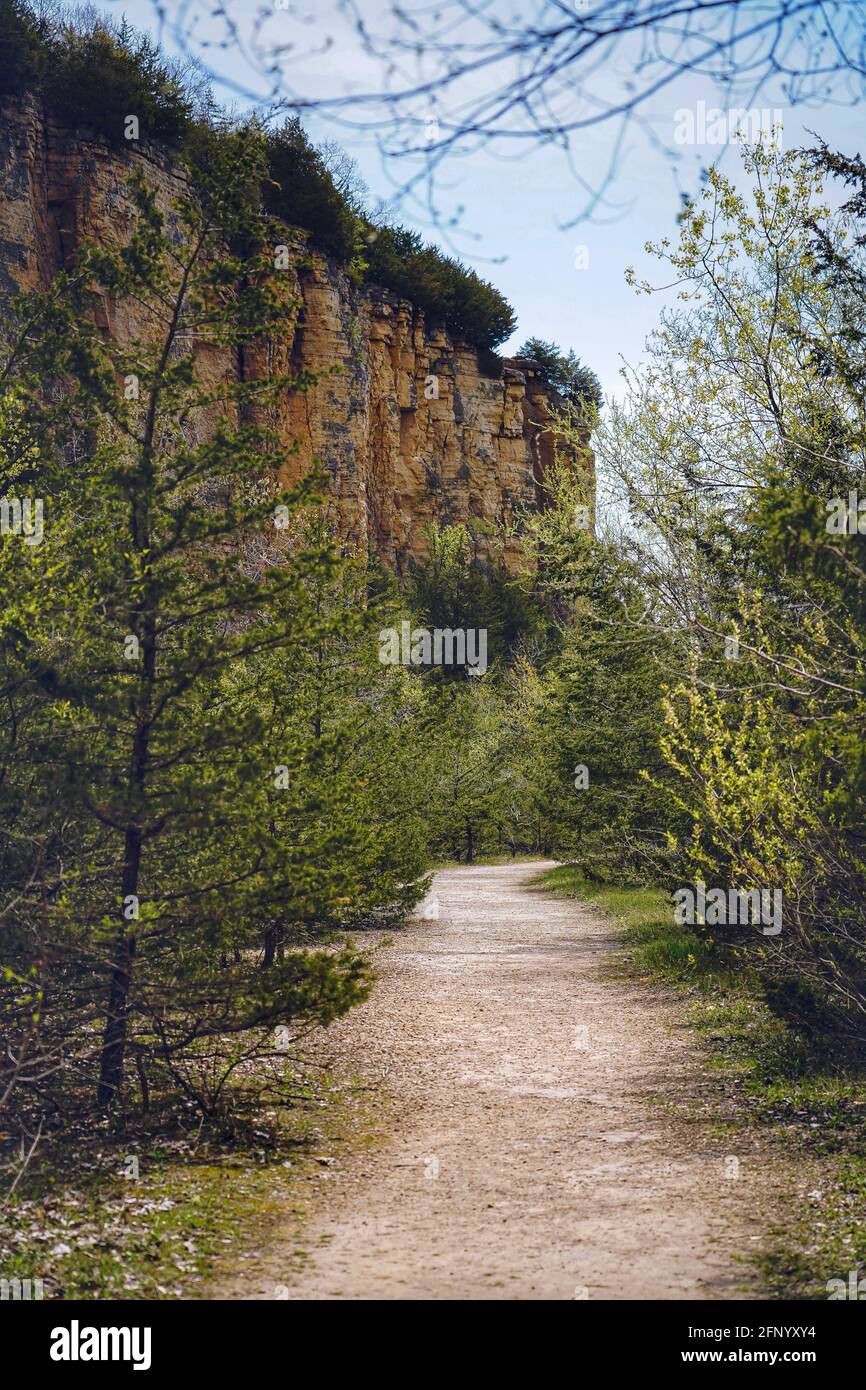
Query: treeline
711,679
96,73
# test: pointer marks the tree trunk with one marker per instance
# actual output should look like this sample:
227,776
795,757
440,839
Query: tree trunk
270,947
114,1037
470,844
142,619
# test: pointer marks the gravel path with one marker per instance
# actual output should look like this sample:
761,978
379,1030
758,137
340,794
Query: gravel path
544,1144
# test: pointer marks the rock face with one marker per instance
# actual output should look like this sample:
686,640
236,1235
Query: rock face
413,427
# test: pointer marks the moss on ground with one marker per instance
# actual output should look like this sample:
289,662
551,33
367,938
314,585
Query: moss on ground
144,1214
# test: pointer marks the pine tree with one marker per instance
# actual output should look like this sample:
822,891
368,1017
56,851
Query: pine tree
162,584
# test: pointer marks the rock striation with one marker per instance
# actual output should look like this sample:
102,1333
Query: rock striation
413,427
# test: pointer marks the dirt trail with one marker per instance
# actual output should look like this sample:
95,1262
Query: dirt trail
539,1149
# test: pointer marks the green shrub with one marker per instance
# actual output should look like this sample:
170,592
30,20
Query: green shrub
23,50
101,74
447,291
477,310
390,253
303,193
564,372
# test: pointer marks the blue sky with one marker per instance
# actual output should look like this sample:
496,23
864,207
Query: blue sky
566,284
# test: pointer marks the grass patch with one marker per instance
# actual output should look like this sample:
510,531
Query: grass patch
803,1096
144,1214
653,943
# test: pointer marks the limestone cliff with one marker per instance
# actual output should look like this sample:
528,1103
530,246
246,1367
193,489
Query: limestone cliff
414,427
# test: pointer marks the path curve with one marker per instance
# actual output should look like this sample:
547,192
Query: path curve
544,1146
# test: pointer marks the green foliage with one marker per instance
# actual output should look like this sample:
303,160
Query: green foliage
602,718
474,736
302,192
564,371
599,717
190,694
479,792
95,72
344,728
458,587
447,291
745,427
98,73
24,52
